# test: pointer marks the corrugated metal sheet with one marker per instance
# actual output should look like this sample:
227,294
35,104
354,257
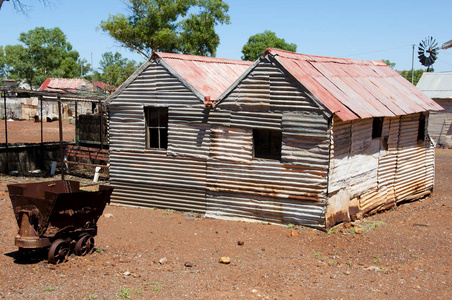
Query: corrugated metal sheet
210,76
189,140
439,87
378,173
292,190
353,88
157,180
436,85
235,206
414,168
231,144
70,85
440,124
173,179
356,170
284,92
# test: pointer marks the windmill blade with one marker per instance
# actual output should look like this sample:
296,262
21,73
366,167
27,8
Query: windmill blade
422,60
433,56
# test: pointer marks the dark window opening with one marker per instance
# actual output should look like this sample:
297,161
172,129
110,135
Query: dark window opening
156,127
267,143
421,129
377,127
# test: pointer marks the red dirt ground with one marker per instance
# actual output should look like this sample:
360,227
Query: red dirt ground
143,254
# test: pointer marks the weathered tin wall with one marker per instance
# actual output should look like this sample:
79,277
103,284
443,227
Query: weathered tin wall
368,174
415,164
440,124
174,178
292,190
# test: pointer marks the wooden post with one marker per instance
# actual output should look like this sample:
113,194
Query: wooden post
6,133
60,115
42,134
101,127
76,123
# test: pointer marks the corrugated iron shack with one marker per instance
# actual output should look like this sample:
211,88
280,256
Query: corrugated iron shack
295,139
438,86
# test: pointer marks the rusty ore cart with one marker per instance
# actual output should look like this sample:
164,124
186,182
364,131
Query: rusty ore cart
58,215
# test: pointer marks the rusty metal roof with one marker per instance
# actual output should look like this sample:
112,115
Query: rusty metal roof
209,75
354,89
62,84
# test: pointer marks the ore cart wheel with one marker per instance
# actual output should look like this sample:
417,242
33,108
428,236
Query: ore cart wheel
59,251
84,245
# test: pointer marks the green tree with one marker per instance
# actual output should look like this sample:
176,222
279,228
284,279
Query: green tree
386,61
407,74
18,64
44,53
2,63
257,44
417,75
163,25
115,69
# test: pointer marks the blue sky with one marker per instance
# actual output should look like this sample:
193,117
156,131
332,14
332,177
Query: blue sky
361,29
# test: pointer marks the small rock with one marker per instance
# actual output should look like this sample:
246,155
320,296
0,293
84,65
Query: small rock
347,225
188,264
225,260
358,231
108,216
373,268
293,233
127,273
240,243
163,261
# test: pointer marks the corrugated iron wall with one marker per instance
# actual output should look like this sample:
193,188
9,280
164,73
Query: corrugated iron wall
174,178
415,171
374,174
292,190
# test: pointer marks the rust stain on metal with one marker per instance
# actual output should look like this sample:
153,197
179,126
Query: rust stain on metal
210,76
355,89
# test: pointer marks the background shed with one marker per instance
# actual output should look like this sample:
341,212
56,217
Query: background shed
438,86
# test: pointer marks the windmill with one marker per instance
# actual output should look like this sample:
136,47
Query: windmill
428,52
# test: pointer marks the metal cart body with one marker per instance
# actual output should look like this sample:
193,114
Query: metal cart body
57,214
